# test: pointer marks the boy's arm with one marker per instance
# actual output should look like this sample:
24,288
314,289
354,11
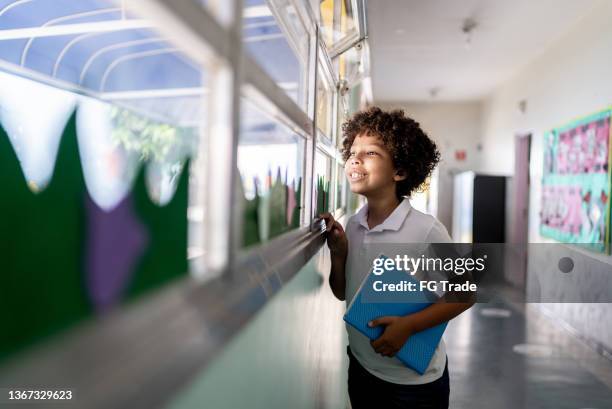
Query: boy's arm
338,248
337,277
445,309
399,329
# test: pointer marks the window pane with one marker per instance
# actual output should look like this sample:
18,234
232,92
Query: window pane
343,116
270,162
340,193
281,52
337,20
356,98
325,97
322,182
97,185
164,146
350,65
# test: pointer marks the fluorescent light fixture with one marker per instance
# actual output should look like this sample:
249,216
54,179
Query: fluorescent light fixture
69,29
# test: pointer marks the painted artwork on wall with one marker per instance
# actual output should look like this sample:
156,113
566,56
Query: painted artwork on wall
576,183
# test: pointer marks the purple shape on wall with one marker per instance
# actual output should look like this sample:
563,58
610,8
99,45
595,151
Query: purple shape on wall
115,242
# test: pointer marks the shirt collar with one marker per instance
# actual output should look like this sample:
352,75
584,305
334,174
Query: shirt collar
393,222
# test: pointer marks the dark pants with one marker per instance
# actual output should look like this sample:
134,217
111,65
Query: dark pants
368,392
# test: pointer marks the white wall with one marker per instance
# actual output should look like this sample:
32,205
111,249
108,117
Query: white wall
453,126
569,80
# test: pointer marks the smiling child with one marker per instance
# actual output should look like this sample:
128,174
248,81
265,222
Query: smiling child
388,157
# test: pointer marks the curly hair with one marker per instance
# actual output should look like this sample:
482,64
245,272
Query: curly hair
411,150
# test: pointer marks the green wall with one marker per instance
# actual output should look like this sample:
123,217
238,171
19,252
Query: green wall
291,355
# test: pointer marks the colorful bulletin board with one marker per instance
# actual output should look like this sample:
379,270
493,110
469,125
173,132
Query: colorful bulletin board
576,182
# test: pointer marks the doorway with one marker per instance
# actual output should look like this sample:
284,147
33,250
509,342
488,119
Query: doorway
516,267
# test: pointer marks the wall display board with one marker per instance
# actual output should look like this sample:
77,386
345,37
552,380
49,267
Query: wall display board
576,183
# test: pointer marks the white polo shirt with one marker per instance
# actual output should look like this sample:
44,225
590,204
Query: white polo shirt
404,225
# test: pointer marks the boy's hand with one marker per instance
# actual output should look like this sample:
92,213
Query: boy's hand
336,238
397,331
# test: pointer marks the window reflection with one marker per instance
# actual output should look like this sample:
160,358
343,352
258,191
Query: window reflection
35,141
165,147
270,163
324,104
340,193
97,238
109,169
351,65
337,20
322,182
283,54
343,116
356,97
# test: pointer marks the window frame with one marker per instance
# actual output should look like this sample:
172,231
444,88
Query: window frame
233,284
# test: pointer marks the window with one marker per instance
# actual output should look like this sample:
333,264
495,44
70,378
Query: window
118,110
341,185
337,20
281,50
271,166
351,64
125,181
322,182
325,99
343,116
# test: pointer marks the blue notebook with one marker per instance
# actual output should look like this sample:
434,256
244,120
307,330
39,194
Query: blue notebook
420,347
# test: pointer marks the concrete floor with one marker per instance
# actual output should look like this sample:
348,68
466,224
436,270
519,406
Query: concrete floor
506,355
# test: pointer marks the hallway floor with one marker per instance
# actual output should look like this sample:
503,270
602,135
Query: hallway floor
506,355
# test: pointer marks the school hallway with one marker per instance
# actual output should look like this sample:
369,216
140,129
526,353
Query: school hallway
165,165
507,355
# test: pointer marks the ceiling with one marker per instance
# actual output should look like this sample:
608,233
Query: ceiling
419,45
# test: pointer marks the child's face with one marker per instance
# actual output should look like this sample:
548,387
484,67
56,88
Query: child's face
369,168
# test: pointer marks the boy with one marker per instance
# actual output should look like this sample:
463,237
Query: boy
388,157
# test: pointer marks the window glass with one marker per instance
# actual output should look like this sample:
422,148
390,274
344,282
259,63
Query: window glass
164,147
270,163
343,116
355,98
350,65
337,21
109,163
322,182
340,193
94,174
325,97
297,33
281,50
150,96
219,9
35,142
